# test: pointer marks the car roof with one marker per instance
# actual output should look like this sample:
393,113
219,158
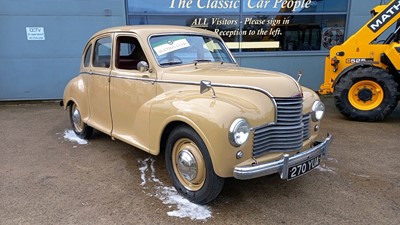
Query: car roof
148,30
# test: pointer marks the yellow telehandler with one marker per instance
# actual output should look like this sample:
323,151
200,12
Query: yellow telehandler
363,73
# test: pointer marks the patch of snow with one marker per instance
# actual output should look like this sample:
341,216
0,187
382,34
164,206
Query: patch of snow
71,136
332,160
169,195
185,208
326,169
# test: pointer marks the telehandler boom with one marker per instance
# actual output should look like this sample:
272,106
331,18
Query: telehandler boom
363,73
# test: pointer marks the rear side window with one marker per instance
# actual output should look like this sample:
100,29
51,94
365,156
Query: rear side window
102,53
86,61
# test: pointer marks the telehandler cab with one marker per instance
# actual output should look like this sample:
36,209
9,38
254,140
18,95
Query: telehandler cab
363,73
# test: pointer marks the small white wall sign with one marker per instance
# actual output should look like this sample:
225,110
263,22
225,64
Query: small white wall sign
35,33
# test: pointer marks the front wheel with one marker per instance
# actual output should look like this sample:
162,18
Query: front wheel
80,128
190,168
366,94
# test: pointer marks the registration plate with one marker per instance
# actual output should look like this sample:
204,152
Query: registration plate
303,168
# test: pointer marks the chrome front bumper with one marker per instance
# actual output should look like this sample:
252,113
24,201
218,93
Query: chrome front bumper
281,166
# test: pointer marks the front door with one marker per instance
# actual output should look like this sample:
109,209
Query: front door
130,92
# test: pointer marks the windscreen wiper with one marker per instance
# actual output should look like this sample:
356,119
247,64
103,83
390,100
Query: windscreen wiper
200,60
170,63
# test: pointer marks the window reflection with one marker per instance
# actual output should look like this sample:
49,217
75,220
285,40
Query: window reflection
253,25
299,33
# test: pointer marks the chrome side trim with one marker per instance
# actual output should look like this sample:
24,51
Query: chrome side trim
133,78
100,74
298,85
97,74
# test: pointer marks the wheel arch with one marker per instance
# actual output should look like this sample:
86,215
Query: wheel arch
219,156
82,106
352,67
69,103
167,130
171,125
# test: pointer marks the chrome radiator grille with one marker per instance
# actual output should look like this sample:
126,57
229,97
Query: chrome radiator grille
306,126
288,134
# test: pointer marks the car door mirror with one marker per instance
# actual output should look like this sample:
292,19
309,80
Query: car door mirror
142,66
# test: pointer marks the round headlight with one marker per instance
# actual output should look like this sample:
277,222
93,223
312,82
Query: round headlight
239,132
318,110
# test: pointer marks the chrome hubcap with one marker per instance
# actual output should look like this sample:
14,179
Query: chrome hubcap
187,165
76,119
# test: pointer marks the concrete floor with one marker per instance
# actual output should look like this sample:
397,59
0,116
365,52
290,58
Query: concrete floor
46,179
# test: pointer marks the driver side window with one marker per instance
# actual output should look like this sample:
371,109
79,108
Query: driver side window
129,53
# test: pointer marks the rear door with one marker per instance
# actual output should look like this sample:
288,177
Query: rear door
99,85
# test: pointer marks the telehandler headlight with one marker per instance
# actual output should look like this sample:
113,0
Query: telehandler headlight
318,110
334,63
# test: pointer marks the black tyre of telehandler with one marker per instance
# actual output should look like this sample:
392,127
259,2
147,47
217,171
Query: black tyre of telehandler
366,94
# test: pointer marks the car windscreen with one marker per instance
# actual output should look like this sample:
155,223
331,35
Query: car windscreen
188,49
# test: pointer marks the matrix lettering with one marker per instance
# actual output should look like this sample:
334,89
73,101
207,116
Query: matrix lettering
384,17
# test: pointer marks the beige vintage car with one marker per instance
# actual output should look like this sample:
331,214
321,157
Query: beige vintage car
179,91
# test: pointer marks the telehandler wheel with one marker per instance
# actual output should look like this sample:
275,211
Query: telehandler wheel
366,94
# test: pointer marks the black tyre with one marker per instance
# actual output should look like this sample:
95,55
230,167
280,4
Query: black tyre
190,168
80,128
366,94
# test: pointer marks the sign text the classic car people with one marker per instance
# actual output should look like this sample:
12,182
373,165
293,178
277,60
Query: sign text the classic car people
235,4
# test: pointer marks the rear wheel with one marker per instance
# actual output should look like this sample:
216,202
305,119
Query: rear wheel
80,128
189,165
366,94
